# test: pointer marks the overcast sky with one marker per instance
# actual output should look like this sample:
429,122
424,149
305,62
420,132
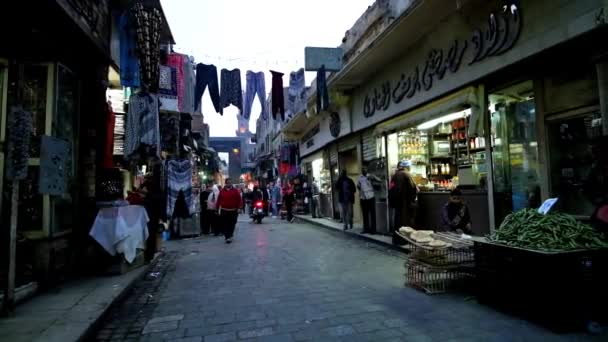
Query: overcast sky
257,35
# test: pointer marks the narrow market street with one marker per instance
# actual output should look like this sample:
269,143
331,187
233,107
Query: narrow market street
297,282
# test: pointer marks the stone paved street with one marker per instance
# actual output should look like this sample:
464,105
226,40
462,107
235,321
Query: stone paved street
295,282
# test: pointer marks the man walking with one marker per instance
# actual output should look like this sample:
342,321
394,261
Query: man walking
275,197
368,203
229,201
315,198
214,221
346,197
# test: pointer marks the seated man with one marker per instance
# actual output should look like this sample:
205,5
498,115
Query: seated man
455,215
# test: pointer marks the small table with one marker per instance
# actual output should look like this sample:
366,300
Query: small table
121,230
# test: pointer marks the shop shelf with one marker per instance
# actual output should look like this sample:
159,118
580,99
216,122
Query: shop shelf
563,291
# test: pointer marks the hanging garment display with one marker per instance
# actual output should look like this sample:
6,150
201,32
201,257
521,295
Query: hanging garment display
129,61
169,132
167,88
177,61
55,166
187,103
206,76
296,98
108,144
179,179
142,128
256,84
232,92
148,23
322,93
278,99
19,130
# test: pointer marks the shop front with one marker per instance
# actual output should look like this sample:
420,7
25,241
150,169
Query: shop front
319,174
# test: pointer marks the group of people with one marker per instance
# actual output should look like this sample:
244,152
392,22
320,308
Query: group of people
220,209
402,198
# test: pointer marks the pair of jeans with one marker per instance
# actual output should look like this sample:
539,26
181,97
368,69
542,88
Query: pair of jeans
296,95
322,92
206,76
256,85
278,97
231,89
347,214
368,209
275,208
228,219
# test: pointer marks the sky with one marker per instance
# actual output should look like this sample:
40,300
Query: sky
257,35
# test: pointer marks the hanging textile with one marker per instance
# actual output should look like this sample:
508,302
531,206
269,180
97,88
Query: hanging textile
179,61
167,88
206,76
19,130
148,22
169,132
322,93
108,144
296,98
256,84
187,103
179,179
142,129
278,99
232,92
129,61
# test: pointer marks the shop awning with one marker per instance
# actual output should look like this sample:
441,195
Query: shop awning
471,97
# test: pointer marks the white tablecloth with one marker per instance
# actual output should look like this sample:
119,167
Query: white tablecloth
121,230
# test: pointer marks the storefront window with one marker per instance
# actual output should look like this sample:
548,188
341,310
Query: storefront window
514,149
575,163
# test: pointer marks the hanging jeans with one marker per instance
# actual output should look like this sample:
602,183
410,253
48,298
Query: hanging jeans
296,97
231,92
179,178
278,97
206,76
322,93
256,84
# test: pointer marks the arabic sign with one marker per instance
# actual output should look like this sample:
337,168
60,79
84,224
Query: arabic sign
54,166
500,35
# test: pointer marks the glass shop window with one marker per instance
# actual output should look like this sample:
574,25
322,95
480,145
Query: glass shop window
514,149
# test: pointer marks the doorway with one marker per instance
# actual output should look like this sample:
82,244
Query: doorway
349,161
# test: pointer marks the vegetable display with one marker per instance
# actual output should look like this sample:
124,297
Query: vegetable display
552,232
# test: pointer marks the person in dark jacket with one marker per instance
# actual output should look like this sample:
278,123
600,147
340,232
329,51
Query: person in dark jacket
455,215
346,196
205,216
289,198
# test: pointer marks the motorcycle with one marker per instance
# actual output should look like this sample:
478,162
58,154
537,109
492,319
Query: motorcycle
258,211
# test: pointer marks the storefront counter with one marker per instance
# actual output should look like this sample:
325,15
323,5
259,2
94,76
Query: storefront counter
430,204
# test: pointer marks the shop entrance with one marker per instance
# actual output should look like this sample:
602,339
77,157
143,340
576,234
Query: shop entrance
349,161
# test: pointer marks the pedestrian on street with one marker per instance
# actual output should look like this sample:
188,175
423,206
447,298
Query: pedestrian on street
289,199
229,202
315,198
214,222
368,202
275,197
307,198
205,214
402,197
346,196
455,215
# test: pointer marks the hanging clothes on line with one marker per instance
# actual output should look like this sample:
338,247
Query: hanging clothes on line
187,103
296,99
232,92
322,93
168,89
179,179
206,76
177,61
129,62
256,84
108,143
278,99
142,129
148,23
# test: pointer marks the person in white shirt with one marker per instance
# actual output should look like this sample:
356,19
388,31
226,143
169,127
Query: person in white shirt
212,210
368,203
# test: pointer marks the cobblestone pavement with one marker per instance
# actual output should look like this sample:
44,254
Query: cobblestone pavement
295,282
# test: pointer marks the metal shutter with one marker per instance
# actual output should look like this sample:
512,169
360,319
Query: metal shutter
368,141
